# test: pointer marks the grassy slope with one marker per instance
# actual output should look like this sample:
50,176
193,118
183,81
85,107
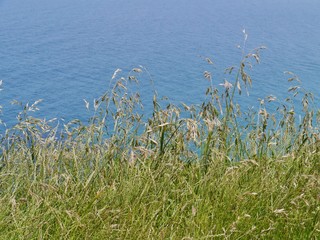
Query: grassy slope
205,175
272,198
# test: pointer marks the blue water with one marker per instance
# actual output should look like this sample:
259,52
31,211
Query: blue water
64,51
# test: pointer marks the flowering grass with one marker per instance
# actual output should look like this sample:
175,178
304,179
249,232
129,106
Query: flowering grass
209,171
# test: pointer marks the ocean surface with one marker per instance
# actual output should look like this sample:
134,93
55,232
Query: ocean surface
64,51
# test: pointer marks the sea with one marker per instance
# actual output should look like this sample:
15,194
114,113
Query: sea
65,51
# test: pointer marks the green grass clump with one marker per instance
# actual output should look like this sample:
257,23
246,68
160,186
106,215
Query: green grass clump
276,199
208,171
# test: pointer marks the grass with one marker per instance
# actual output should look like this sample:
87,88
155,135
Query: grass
209,171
